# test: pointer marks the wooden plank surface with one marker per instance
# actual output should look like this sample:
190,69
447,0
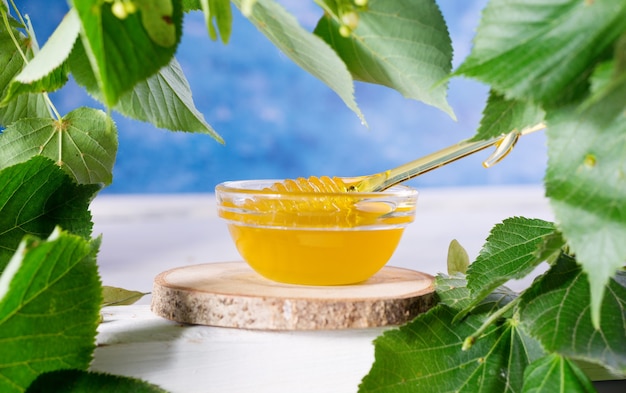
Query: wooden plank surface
204,359
231,294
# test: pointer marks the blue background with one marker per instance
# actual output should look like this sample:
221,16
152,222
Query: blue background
278,121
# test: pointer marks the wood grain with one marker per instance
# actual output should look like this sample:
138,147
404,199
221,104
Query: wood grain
231,294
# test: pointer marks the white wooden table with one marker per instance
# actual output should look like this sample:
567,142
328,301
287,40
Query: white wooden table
145,235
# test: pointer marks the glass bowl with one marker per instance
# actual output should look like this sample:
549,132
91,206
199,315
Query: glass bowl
314,238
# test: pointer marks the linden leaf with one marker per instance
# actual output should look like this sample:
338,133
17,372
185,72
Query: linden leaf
425,356
49,308
191,5
305,49
113,296
602,76
246,6
36,196
123,52
511,252
585,182
609,78
164,99
11,64
596,372
79,381
47,71
84,143
157,18
542,51
51,82
550,248
458,260
24,106
452,291
555,310
554,373
220,12
402,45
502,116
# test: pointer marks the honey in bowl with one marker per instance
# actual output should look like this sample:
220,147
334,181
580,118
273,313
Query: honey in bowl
314,231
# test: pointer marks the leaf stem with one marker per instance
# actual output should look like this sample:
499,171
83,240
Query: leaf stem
51,106
5,19
53,110
469,341
60,145
17,12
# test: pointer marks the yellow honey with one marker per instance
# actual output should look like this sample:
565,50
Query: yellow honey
315,257
313,231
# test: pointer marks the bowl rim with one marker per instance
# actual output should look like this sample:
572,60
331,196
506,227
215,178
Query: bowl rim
238,186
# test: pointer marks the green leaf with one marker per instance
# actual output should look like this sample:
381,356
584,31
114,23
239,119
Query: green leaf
607,79
458,260
114,296
49,308
125,51
555,310
511,252
47,71
602,75
596,372
36,196
157,19
403,45
191,5
24,106
11,64
49,83
220,12
620,54
84,143
305,49
585,184
246,6
78,381
554,373
452,291
542,51
502,116
80,67
425,356
551,248
164,99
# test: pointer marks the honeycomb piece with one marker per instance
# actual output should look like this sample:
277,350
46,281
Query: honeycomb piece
329,209
311,184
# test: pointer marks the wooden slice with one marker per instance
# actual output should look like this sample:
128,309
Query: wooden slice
231,294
